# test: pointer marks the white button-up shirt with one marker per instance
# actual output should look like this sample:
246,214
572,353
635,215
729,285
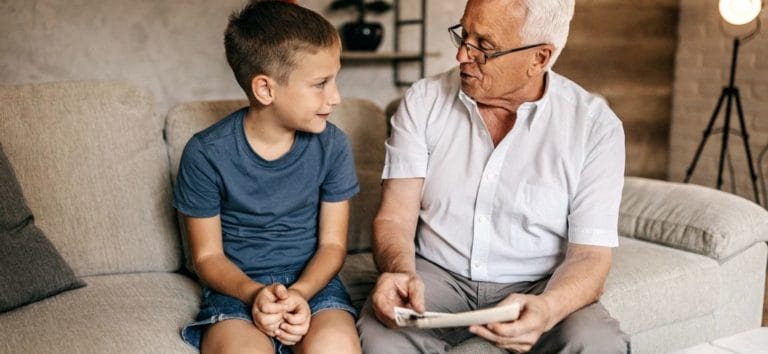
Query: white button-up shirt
506,213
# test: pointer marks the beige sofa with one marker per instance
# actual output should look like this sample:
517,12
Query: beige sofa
96,163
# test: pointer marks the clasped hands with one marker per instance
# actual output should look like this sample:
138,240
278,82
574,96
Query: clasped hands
281,313
407,290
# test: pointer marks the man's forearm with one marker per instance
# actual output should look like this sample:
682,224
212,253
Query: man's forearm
393,247
577,282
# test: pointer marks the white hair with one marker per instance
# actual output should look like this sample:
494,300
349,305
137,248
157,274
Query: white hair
547,21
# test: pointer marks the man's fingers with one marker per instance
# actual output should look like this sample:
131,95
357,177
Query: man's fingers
384,302
416,294
517,344
490,334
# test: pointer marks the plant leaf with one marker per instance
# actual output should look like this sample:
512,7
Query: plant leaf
342,4
378,6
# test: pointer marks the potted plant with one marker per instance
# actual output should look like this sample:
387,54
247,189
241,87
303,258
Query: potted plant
362,35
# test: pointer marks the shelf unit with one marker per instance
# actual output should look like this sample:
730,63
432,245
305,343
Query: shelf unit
399,56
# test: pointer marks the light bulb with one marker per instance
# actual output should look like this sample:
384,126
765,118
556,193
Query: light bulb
739,12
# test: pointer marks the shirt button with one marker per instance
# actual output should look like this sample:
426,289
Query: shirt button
476,264
480,219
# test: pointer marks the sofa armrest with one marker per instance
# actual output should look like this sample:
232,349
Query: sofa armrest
690,217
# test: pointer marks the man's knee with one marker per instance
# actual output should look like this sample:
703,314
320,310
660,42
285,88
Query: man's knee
589,330
377,338
597,339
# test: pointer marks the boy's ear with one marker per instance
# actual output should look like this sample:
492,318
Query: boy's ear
261,87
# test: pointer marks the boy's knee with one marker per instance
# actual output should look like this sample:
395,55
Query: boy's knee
338,344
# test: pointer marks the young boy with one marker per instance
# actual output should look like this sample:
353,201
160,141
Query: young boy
264,193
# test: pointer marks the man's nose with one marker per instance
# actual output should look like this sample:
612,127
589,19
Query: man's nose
462,54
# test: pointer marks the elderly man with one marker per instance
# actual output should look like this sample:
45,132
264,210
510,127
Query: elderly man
502,184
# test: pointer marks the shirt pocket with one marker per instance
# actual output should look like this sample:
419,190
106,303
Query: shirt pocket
542,222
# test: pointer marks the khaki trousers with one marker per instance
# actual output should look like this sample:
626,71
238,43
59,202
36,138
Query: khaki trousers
588,330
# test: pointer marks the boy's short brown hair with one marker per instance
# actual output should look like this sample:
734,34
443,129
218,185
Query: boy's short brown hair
265,36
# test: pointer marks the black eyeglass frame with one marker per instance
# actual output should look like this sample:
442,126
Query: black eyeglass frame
458,40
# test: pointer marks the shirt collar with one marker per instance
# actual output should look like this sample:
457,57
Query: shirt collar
528,112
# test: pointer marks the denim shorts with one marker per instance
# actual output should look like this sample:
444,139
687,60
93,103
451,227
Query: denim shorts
216,307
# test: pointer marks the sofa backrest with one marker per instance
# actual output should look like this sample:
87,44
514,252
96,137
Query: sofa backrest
361,120
91,160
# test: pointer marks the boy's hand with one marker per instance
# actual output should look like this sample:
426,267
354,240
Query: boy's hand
267,312
296,318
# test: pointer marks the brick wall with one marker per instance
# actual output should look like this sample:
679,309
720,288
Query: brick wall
701,71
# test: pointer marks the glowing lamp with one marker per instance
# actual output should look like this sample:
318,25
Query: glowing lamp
740,12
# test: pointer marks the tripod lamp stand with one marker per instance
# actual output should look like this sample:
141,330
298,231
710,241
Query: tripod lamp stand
735,13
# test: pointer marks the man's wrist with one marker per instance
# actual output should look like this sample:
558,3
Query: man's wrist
554,309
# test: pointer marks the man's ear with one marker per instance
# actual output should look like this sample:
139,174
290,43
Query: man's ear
262,89
541,59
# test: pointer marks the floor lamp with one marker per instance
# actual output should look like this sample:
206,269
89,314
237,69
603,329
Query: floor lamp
735,13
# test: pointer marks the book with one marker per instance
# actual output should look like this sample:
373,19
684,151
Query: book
408,318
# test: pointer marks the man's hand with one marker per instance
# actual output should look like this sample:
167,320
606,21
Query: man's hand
296,318
396,289
519,335
266,311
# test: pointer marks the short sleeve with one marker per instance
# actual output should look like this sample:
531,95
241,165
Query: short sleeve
196,193
407,153
341,180
594,215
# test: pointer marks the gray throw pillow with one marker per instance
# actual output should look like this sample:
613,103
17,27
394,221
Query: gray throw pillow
30,267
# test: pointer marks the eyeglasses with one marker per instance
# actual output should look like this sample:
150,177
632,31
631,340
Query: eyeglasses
481,56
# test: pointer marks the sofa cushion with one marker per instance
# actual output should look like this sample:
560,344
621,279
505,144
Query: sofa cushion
690,217
30,267
366,126
669,285
91,160
650,285
359,276
356,117
128,313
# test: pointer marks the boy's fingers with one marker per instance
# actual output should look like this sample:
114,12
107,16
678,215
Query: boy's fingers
265,294
281,291
271,307
287,338
297,317
294,329
268,320
268,323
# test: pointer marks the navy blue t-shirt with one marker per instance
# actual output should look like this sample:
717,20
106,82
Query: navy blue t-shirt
269,209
